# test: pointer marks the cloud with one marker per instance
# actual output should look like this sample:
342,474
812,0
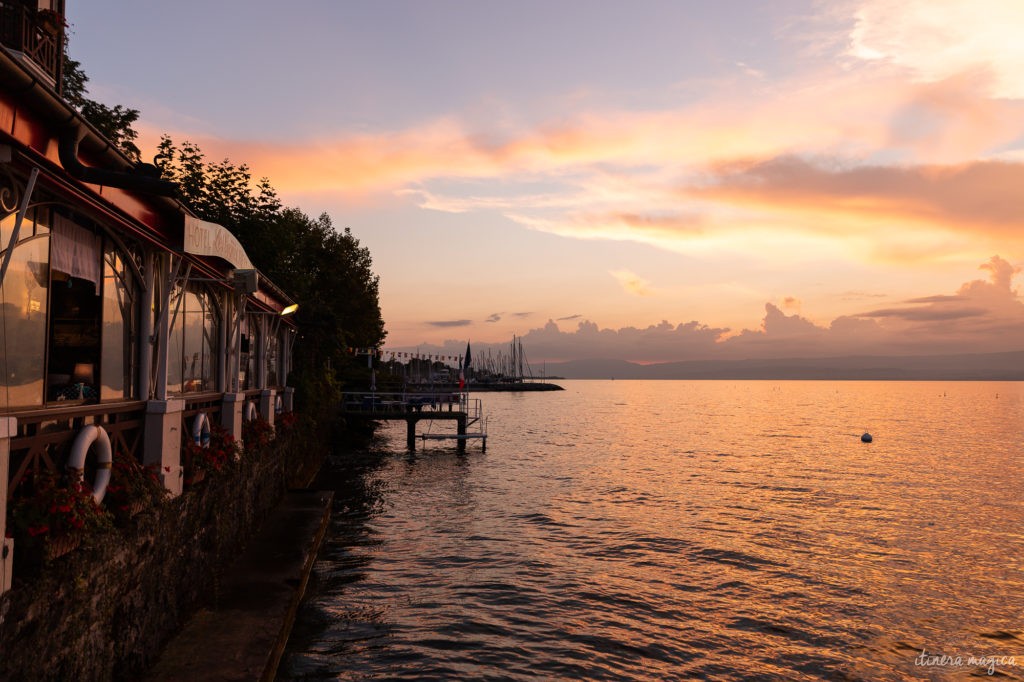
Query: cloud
1001,273
880,148
450,323
859,295
981,317
569,318
929,314
981,196
978,314
493,317
632,283
936,40
522,315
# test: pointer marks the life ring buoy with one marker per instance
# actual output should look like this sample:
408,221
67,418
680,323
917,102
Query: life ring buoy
86,438
250,411
278,405
201,430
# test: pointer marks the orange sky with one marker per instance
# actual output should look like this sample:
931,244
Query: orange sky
837,173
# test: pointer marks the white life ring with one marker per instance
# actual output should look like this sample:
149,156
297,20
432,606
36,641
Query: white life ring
201,430
76,460
278,405
250,411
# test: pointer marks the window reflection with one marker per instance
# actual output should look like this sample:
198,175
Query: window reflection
119,325
192,362
272,355
23,303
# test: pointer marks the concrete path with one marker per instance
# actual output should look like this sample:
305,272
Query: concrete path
243,639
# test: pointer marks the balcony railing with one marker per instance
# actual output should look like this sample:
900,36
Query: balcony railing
37,36
45,436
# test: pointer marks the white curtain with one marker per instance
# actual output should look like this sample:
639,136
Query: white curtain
75,250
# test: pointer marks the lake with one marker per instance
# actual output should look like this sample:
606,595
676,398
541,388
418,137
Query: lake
636,530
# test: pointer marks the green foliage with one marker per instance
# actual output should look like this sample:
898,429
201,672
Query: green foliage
325,270
115,123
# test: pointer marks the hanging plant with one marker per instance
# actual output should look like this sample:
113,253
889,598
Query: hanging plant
201,461
257,434
50,516
51,20
133,488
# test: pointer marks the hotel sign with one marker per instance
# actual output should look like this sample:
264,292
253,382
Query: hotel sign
210,239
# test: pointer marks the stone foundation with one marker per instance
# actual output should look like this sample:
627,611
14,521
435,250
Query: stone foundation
105,612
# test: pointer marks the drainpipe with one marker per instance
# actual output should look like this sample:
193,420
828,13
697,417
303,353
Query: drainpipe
144,177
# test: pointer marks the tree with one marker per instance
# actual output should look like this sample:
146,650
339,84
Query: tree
114,123
328,272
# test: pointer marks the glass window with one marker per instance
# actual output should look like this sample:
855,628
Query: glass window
23,303
192,364
272,361
250,352
119,329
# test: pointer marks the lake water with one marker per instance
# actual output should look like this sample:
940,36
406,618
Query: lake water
683,530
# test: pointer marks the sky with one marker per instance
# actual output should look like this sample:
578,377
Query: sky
649,181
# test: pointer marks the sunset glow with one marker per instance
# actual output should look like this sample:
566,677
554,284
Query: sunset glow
829,178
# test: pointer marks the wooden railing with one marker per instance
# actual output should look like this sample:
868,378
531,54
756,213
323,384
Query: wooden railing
45,435
23,30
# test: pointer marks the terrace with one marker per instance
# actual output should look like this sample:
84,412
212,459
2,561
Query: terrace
36,34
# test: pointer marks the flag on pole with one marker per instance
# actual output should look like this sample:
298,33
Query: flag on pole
463,368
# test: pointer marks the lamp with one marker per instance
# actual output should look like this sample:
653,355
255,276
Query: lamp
82,373
289,310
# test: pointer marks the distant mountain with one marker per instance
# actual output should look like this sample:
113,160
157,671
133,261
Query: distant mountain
962,367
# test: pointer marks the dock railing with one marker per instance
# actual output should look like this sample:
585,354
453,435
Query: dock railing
414,407
402,402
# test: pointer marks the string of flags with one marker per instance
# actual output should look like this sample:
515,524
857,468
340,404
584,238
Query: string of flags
388,355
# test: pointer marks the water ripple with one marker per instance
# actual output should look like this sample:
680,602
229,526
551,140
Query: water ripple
678,531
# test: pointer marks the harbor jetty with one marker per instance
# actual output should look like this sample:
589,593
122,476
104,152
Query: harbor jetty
417,407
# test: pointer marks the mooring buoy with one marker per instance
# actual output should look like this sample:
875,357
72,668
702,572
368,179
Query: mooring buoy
866,438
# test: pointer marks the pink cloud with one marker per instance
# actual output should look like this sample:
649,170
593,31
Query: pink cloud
982,317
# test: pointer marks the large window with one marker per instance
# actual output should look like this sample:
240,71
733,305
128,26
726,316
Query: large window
23,304
117,376
69,313
249,367
192,359
273,361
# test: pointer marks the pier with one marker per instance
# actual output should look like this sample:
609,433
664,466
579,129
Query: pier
413,408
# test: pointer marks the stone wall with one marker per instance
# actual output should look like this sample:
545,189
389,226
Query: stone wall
105,612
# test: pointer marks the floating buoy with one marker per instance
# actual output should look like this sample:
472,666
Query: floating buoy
866,438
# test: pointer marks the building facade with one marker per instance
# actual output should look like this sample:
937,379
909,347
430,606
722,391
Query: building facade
119,309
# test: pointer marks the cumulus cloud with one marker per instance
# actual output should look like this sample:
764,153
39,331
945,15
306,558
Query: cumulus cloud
982,316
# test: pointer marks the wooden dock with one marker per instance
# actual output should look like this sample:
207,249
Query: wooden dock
413,408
